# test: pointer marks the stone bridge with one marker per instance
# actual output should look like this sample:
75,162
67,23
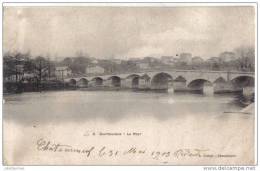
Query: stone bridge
179,80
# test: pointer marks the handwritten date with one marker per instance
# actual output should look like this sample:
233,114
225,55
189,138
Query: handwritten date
104,151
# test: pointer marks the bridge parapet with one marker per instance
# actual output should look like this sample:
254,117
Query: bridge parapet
173,73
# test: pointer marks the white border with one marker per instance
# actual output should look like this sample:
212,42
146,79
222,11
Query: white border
46,3
133,4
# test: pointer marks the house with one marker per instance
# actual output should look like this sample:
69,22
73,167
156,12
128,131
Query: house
95,70
29,77
62,72
167,59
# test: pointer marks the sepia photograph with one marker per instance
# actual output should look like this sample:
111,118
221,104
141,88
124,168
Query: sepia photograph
129,84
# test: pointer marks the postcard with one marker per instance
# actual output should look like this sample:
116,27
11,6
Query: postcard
129,84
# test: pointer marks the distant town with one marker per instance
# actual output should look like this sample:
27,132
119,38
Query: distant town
22,68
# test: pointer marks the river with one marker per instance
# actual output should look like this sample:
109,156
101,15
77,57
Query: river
164,120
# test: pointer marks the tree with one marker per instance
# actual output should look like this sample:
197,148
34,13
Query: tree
246,58
67,62
41,68
79,64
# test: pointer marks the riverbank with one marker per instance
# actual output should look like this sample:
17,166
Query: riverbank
20,87
250,109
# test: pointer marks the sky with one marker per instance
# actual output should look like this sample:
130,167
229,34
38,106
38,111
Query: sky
127,32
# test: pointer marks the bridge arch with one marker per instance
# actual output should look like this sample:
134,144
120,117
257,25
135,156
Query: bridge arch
83,82
219,80
72,82
161,81
179,83
146,77
115,81
198,84
180,79
243,81
134,78
234,75
97,81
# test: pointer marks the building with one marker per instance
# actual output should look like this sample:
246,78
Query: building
167,60
29,77
62,72
95,70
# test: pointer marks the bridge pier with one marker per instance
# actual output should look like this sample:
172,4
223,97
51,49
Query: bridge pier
126,83
144,83
82,83
91,83
107,83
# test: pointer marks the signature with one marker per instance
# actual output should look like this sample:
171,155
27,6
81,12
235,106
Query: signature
44,145
191,152
104,151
